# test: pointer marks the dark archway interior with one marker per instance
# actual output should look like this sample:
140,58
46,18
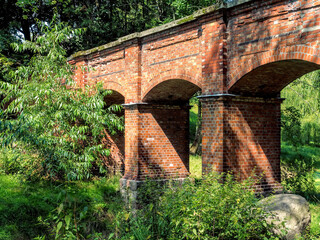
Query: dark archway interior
173,91
268,80
114,98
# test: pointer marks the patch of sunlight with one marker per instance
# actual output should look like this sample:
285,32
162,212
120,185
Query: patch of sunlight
195,166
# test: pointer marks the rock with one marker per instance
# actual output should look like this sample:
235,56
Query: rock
293,209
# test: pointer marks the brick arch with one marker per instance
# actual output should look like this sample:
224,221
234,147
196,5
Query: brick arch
268,73
115,86
180,80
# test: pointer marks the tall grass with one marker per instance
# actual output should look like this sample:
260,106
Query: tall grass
195,166
22,204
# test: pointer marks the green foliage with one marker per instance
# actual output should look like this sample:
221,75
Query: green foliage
8,161
105,20
193,122
301,110
315,220
291,125
297,169
18,160
34,210
182,8
195,166
63,125
203,210
20,206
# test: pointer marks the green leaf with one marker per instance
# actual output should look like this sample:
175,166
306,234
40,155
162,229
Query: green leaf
194,231
59,225
111,236
67,220
60,208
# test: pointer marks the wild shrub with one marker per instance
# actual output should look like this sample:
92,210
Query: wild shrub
291,126
44,110
58,210
87,213
8,161
199,210
297,171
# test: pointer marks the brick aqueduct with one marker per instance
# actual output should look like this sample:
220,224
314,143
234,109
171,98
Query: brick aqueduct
240,56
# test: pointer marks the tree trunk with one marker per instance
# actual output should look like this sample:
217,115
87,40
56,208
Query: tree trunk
26,29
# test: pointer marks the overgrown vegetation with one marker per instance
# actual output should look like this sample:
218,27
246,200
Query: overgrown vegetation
300,111
59,210
105,20
298,169
205,209
44,112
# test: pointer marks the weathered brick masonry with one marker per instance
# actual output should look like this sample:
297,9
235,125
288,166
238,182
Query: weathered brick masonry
240,55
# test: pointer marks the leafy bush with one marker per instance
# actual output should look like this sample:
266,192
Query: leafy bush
45,111
291,125
8,161
17,160
84,214
203,210
297,171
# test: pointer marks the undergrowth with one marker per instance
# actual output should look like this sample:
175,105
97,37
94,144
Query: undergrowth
205,209
53,210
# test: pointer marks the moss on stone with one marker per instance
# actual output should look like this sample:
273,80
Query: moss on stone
186,19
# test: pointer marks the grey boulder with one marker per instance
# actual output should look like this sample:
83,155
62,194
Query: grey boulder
291,209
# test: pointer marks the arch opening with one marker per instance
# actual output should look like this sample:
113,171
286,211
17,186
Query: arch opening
114,98
300,130
269,79
115,140
173,91
164,140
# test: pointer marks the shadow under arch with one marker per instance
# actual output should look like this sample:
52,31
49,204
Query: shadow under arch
252,120
164,130
173,91
269,79
115,141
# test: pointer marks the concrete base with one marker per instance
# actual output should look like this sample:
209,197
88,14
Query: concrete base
133,191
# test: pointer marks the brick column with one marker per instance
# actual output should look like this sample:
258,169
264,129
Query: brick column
252,142
241,135
156,141
131,141
156,146
212,134
163,141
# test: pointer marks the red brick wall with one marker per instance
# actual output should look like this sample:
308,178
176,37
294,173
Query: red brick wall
115,142
212,135
172,54
131,142
252,139
263,32
163,141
